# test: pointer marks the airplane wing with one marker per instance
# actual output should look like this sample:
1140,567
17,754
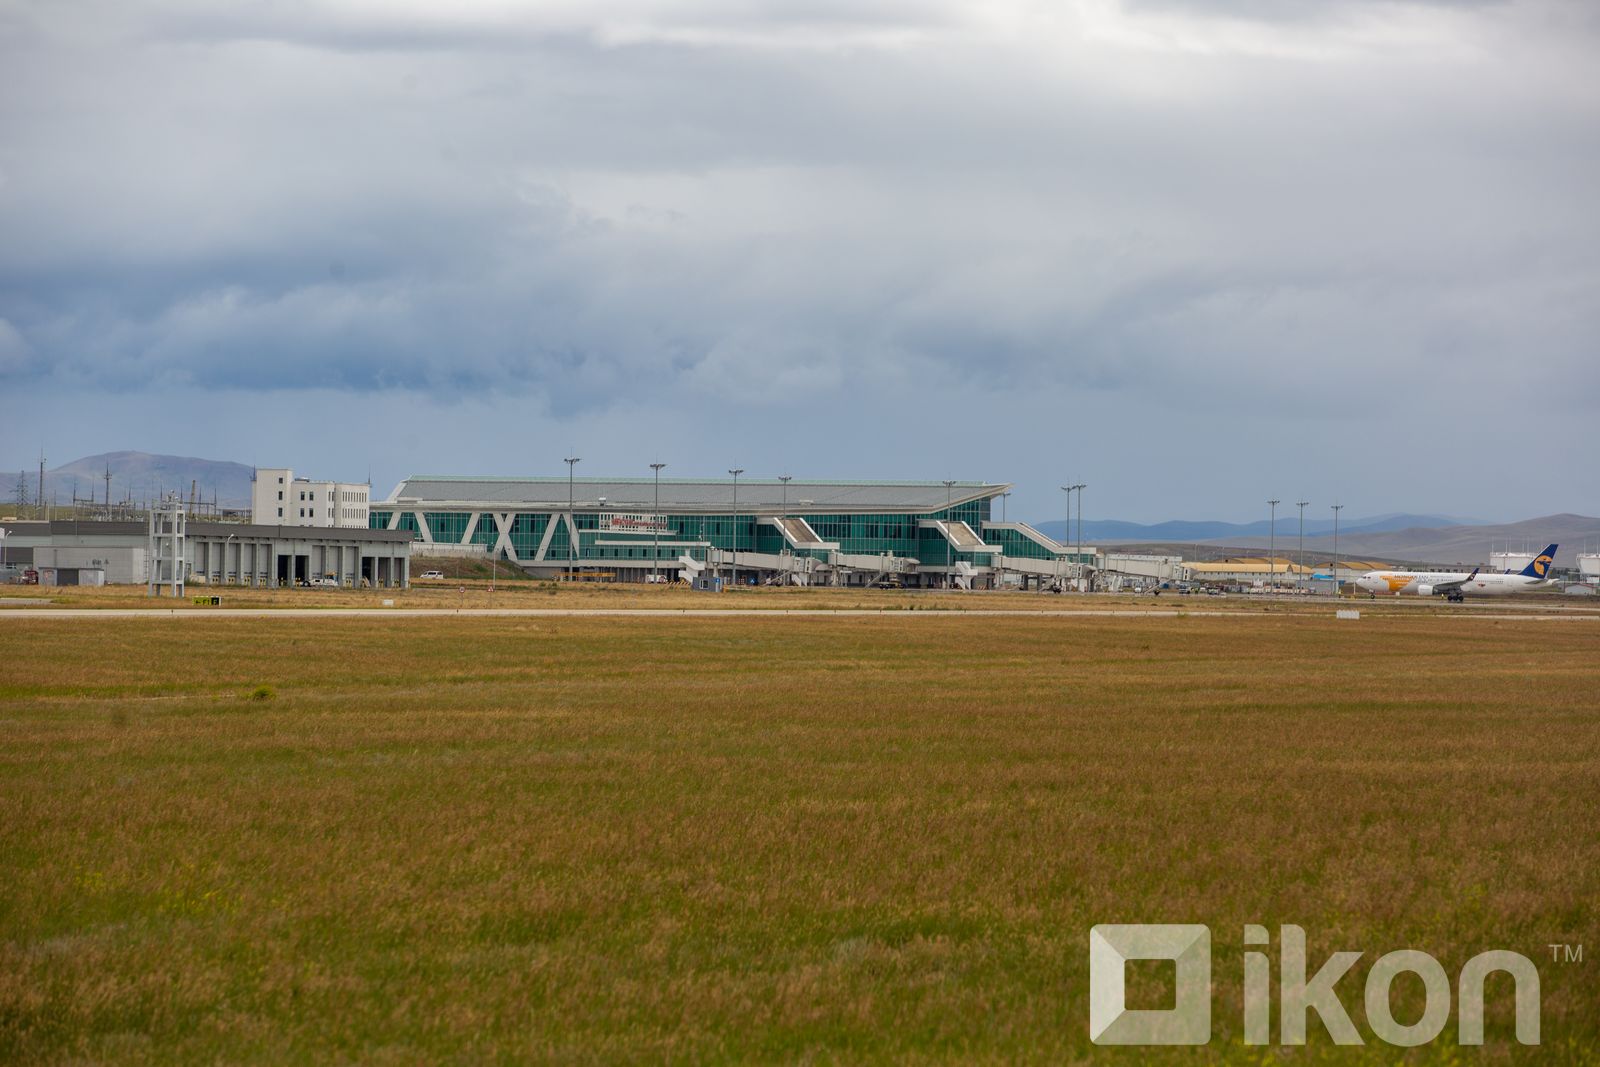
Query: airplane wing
1446,588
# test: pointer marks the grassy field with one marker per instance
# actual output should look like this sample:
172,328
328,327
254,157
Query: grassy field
817,839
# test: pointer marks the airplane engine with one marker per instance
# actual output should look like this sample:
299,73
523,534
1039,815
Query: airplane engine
1424,590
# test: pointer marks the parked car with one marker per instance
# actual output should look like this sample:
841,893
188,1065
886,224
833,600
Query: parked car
433,576
325,583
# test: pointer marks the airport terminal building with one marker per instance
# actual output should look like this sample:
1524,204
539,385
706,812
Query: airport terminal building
768,531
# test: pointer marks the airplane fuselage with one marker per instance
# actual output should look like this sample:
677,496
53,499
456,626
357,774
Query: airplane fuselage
1428,583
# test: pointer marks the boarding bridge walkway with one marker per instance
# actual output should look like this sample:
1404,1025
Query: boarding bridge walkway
798,532
805,570
961,536
1049,544
1055,567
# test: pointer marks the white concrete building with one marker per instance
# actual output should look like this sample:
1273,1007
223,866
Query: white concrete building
278,498
73,552
1509,561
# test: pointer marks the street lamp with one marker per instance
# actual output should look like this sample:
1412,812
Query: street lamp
1003,504
1300,577
1272,546
1066,536
1080,487
949,559
655,525
572,520
784,522
736,471
1336,509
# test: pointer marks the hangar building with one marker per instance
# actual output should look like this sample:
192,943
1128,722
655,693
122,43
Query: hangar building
73,552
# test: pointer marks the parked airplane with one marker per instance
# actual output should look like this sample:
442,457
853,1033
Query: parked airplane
1456,586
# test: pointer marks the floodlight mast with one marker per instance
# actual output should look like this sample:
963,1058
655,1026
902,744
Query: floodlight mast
1300,576
1080,487
572,520
1066,536
1272,546
949,553
1336,509
655,526
736,471
784,522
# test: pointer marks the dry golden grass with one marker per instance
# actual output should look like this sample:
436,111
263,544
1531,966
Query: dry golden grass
268,840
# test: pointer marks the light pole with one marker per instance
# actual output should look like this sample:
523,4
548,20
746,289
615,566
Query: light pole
1080,487
1300,576
1272,546
1336,508
949,555
572,520
1066,537
655,526
1003,505
736,471
784,522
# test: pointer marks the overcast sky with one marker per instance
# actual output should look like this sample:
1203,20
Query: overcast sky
1195,254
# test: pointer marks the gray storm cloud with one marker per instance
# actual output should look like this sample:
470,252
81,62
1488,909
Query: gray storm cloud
778,212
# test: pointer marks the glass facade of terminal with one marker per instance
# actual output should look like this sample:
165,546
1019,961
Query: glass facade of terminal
928,536
900,534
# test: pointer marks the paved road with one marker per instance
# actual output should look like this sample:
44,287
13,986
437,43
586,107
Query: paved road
726,613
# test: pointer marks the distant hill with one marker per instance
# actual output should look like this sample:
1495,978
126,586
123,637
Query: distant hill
1407,538
1456,544
142,476
1179,531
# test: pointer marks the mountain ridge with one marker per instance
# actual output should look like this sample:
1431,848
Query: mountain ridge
141,476
1209,530
1469,544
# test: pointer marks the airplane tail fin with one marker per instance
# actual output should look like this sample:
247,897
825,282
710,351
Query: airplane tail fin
1540,567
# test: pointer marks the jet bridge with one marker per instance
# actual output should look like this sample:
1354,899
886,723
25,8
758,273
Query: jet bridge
797,532
1056,567
961,536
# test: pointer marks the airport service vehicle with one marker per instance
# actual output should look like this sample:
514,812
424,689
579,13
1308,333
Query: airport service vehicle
1456,586
437,576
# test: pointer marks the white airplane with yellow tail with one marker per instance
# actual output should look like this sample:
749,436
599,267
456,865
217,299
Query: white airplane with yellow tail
1456,586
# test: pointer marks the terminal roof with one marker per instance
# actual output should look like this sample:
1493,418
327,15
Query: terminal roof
689,494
